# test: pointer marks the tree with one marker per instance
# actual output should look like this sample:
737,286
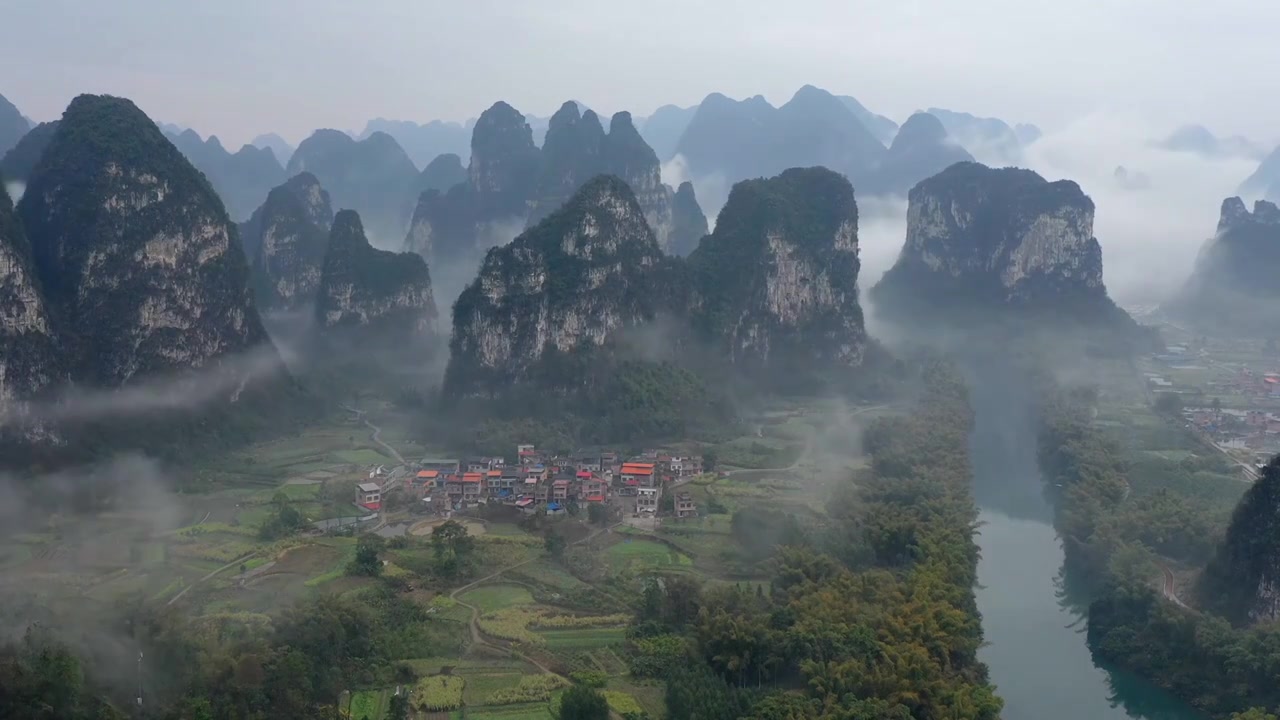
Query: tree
554,543
1168,404
597,514
399,707
366,561
709,460
583,703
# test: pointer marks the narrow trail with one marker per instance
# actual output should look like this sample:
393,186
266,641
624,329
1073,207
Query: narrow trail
228,566
1169,587
808,448
477,637
376,436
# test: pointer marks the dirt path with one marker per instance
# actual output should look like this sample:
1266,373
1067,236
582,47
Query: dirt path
228,566
377,434
808,448
476,637
1169,587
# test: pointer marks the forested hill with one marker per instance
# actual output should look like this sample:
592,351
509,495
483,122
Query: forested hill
872,615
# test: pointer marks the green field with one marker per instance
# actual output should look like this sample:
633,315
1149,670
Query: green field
641,554
583,638
488,598
525,711
481,685
371,704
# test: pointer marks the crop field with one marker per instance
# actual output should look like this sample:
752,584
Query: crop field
582,638
643,554
482,685
488,598
523,711
371,704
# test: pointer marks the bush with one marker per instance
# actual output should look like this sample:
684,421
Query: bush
438,692
532,688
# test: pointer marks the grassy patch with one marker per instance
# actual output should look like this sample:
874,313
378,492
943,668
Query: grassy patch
489,598
438,692
635,554
621,702
524,711
364,456
482,685
582,638
371,704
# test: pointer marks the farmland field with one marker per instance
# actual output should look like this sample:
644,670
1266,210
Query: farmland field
371,704
641,554
488,598
525,711
481,685
582,638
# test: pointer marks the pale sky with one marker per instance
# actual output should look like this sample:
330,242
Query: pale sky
237,68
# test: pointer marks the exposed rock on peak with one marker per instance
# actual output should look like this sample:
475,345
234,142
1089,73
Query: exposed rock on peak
371,290
1242,582
12,125
922,148
242,180
568,284
373,176
688,224
981,240
21,160
777,279
29,358
1233,286
504,162
286,240
571,154
134,248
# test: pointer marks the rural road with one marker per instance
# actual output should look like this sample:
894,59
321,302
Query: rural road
476,637
1169,587
377,434
808,448
229,565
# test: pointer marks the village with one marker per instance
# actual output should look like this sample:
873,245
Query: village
1229,395
642,487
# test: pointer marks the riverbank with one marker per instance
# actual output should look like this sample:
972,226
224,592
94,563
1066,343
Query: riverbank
1118,539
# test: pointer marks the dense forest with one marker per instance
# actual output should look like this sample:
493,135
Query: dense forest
872,616
1112,542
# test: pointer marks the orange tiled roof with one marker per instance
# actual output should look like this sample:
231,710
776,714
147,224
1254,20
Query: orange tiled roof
428,473
637,468
471,477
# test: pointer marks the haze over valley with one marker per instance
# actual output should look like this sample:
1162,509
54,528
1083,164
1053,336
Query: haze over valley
828,361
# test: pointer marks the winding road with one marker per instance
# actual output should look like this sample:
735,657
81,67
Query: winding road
1169,587
376,436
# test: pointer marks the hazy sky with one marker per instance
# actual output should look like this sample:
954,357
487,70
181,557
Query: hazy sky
240,67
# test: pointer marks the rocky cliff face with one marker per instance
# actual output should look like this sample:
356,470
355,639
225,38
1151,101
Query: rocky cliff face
511,184
1233,286
242,179
1242,582
577,149
736,140
134,249
688,224
984,239
568,284
12,125
776,281
1265,181
372,290
21,160
374,177
922,148
504,163
29,357
286,240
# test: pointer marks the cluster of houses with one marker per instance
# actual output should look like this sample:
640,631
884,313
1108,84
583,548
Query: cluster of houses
1256,430
538,481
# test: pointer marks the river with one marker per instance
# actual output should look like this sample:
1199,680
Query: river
1034,626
